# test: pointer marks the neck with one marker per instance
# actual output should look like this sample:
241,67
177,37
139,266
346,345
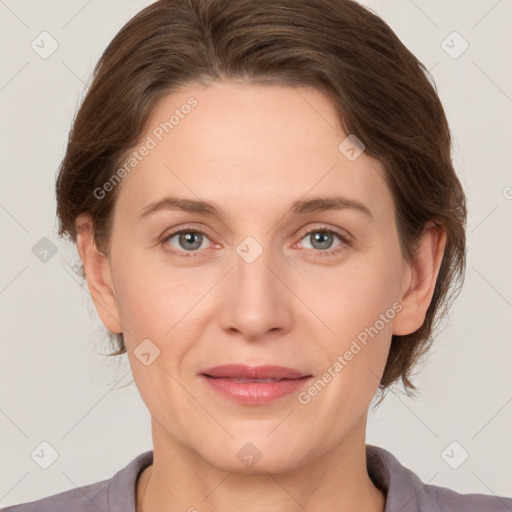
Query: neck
180,479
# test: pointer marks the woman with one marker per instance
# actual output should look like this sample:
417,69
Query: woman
270,225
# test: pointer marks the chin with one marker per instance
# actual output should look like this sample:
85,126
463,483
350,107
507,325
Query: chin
249,457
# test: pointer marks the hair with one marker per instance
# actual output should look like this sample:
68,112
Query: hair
380,91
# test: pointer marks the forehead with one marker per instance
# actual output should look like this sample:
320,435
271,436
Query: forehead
249,144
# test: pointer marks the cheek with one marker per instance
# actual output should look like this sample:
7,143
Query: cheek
355,296
143,297
160,302
358,303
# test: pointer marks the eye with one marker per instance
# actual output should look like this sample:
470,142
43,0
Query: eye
186,240
321,240
192,242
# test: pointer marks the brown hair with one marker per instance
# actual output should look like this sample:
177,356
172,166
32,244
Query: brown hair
381,92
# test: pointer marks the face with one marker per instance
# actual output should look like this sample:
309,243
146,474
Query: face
273,277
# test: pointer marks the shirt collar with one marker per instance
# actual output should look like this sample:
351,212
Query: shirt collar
403,489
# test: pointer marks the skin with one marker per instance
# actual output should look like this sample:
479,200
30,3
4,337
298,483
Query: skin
253,150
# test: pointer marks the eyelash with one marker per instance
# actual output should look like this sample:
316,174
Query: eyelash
345,242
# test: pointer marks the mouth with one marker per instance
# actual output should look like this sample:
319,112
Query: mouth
255,385
235,379
269,373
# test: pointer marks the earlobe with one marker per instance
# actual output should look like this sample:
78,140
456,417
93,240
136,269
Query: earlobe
97,272
422,276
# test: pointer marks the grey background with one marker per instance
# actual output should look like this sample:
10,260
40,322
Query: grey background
56,388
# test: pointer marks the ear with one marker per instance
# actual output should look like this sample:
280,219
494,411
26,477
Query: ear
98,275
420,280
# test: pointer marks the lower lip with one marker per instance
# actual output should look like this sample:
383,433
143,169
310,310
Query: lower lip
256,392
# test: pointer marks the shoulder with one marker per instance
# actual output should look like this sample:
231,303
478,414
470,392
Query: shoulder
448,500
116,494
92,497
407,493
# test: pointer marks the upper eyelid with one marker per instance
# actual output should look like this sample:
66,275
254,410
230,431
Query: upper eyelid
336,231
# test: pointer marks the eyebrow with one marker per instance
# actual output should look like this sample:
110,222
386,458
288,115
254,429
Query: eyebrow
300,206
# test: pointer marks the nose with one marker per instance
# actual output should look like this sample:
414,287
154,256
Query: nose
256,302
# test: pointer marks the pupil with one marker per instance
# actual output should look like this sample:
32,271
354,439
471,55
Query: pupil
190,238
323,238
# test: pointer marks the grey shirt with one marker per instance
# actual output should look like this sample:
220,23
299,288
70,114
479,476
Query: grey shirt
404,491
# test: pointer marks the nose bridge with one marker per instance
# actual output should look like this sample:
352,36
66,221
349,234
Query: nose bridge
256,303
251,269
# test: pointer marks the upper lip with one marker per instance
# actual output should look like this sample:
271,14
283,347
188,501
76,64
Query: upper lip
253,372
